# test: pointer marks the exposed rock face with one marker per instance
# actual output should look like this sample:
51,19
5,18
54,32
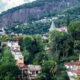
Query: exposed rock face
25,14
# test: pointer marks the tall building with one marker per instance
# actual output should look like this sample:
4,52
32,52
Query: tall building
61,29
2,31
53,27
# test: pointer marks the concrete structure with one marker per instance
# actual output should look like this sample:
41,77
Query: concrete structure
53,27
18,56
15,50
73,69
2,31
33,71
30,71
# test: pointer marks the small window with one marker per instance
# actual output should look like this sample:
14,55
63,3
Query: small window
20,58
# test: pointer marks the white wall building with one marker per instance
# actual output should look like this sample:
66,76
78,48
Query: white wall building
2,31
73,69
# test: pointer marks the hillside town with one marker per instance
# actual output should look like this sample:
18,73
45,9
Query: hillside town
32,71
39,39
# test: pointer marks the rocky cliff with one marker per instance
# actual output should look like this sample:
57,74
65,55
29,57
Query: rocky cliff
25,14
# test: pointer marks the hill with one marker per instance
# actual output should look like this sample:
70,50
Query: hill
34,11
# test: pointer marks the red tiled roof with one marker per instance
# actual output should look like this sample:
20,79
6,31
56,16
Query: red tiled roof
22,66
76,71
16,50
73,63
34,67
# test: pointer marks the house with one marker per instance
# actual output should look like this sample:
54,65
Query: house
12,43
73,65
15,47
18,56
30,71
62,29
73,69
33,71
16,53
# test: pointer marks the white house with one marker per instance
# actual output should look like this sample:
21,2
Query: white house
33,71
73,69
30,71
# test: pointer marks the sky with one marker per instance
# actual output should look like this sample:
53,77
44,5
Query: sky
7,4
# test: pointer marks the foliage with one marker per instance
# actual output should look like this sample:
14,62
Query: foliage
60,44
9,72
26,56
5,56
33,45
62,76
78,78
30,28
74,30
39,58
49,68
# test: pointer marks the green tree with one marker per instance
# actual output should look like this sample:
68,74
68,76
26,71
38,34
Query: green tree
6,56
26,56
74,31
60,44
49,69
32,44
9,72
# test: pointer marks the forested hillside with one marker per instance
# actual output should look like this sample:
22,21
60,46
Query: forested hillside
32,11
32,14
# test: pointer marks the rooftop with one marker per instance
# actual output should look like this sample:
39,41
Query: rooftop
77,63
76,71
29,67
16,50
34,67
22,66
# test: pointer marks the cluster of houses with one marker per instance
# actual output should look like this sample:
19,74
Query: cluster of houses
72,68
30,71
